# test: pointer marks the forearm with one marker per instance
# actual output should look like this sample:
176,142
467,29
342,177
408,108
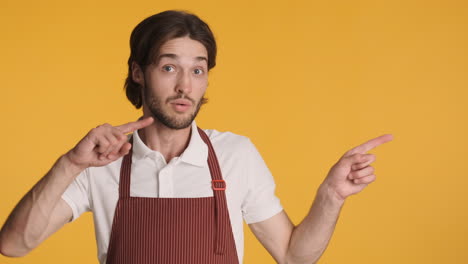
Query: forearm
25,227
41,212
310,238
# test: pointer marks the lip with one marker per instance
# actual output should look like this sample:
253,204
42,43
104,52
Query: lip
183,102
181,105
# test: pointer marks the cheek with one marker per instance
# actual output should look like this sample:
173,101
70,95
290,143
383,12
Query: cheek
161,84
201,84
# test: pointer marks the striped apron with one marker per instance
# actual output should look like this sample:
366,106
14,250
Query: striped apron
172,230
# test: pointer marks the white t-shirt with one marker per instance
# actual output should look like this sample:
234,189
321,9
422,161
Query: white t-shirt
249,184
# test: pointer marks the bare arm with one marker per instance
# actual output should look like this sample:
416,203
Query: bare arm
306,242
311,237
41,212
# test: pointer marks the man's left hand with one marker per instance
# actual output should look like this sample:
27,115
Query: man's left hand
352,173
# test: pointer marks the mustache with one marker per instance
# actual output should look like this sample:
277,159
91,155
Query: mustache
180,96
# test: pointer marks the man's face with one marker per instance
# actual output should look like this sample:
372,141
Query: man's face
175,84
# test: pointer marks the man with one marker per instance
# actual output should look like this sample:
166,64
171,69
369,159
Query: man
171,192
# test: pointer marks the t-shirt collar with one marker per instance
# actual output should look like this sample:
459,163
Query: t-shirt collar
196,152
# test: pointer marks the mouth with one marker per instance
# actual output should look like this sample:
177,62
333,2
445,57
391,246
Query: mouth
184,102
181,105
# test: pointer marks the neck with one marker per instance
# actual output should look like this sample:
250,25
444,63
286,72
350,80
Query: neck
169,142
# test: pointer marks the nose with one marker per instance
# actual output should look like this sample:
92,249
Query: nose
184,83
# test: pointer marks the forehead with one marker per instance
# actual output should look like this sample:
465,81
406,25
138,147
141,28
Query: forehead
184,47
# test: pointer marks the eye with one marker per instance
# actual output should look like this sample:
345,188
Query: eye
168,68
198,71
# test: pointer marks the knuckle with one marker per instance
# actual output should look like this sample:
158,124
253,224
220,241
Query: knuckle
117,148
362,174
363,158
122,137
104,144
103,126
113,141
357,157
118,135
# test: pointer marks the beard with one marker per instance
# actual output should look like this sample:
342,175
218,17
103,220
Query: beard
155,106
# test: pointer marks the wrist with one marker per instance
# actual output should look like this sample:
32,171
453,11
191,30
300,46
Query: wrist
69,166
329,196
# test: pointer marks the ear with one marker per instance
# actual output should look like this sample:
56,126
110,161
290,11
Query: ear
137,74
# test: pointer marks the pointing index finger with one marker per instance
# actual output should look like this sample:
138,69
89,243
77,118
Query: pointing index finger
132,126
365,147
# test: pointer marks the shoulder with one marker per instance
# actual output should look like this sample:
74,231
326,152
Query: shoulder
228,141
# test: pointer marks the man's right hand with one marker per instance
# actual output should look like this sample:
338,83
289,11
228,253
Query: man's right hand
41,212
104,144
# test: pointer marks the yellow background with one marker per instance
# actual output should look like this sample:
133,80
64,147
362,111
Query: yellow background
305,80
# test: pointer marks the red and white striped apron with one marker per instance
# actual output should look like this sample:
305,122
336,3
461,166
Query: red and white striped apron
172,230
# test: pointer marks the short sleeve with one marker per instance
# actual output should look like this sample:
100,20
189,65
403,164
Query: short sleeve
260,202
77,195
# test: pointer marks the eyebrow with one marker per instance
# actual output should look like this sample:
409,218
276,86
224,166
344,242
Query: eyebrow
175,57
